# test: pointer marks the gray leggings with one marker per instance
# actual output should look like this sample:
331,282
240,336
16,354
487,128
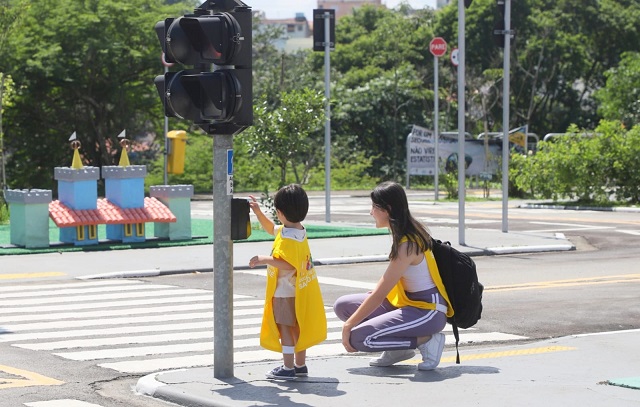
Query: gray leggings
391,328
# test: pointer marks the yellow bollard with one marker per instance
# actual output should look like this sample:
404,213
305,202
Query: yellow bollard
177,148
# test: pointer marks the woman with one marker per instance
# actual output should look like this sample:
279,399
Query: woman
409,306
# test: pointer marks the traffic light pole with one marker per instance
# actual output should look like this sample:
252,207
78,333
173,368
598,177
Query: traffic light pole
222,260
327,125
166,144
461,124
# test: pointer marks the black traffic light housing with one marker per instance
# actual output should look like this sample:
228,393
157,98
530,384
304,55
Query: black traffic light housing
219,35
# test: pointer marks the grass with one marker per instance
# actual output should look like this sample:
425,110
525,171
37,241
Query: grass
201,230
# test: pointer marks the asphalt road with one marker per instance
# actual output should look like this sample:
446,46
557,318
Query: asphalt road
592,289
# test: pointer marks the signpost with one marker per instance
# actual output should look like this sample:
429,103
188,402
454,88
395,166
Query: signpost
324,40
438,47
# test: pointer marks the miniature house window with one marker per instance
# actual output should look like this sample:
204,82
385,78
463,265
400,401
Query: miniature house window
128,229
139,229
80,232
93,232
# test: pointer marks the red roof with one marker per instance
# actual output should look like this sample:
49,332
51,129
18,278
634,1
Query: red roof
110,214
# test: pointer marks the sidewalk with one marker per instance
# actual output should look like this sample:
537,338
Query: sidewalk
593,370
556,372
187,259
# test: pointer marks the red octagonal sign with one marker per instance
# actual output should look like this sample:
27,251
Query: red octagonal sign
438,47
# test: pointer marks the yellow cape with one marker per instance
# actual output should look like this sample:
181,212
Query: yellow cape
398,296
310,311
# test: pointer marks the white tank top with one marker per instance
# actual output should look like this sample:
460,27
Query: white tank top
417,278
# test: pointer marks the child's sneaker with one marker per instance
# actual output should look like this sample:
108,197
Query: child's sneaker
390,357
282,373
301,370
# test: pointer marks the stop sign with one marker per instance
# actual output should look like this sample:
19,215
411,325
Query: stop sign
438,46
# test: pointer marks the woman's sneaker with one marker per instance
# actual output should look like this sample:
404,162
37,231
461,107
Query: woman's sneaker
301,370
282,373
431,352
390,357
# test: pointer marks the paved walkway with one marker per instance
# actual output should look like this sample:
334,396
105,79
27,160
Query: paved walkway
570,371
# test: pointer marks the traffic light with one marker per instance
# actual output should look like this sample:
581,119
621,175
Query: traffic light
218,35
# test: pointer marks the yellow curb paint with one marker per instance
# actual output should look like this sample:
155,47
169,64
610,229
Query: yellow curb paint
624,278
508,353
27,379
31,275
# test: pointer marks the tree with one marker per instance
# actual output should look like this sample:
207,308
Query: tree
383,81
620,97
87,67
289,134
10,14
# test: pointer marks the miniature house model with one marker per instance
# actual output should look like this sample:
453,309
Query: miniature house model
78,211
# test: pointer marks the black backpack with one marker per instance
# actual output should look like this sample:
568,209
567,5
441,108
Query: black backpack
460,279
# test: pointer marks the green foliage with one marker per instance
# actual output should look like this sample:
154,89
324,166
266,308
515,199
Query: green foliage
198,166
591,167
88,66
289,132
4,210
620,98
449,180
84,66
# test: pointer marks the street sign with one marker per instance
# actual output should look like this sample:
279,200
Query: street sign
438,47
318,29
454,56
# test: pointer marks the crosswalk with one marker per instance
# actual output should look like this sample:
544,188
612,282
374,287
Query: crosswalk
136,327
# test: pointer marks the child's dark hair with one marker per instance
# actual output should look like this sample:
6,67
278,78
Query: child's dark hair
390,196
293,202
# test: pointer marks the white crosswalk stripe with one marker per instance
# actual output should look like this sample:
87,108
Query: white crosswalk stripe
61,403
137,327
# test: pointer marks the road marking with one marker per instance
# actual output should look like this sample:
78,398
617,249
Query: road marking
70,292
46,287
624,278
96,297
116,334
61,403
28,379
568,227
502,354
322,280
630,232
16,276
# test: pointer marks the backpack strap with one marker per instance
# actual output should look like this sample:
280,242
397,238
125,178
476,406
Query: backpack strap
454,325
449,277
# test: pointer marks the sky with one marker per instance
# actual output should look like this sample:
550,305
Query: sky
278,9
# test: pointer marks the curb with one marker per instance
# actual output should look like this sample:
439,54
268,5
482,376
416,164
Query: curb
581,208
332,261
149,386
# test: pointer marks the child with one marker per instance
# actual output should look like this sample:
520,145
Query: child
294,317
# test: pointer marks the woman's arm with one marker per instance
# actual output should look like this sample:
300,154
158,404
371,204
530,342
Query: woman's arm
389,279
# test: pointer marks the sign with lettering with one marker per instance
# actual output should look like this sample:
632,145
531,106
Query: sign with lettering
421,152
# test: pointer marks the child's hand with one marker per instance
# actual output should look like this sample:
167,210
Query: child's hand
255,261
254,205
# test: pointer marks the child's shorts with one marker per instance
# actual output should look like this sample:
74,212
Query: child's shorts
284,310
